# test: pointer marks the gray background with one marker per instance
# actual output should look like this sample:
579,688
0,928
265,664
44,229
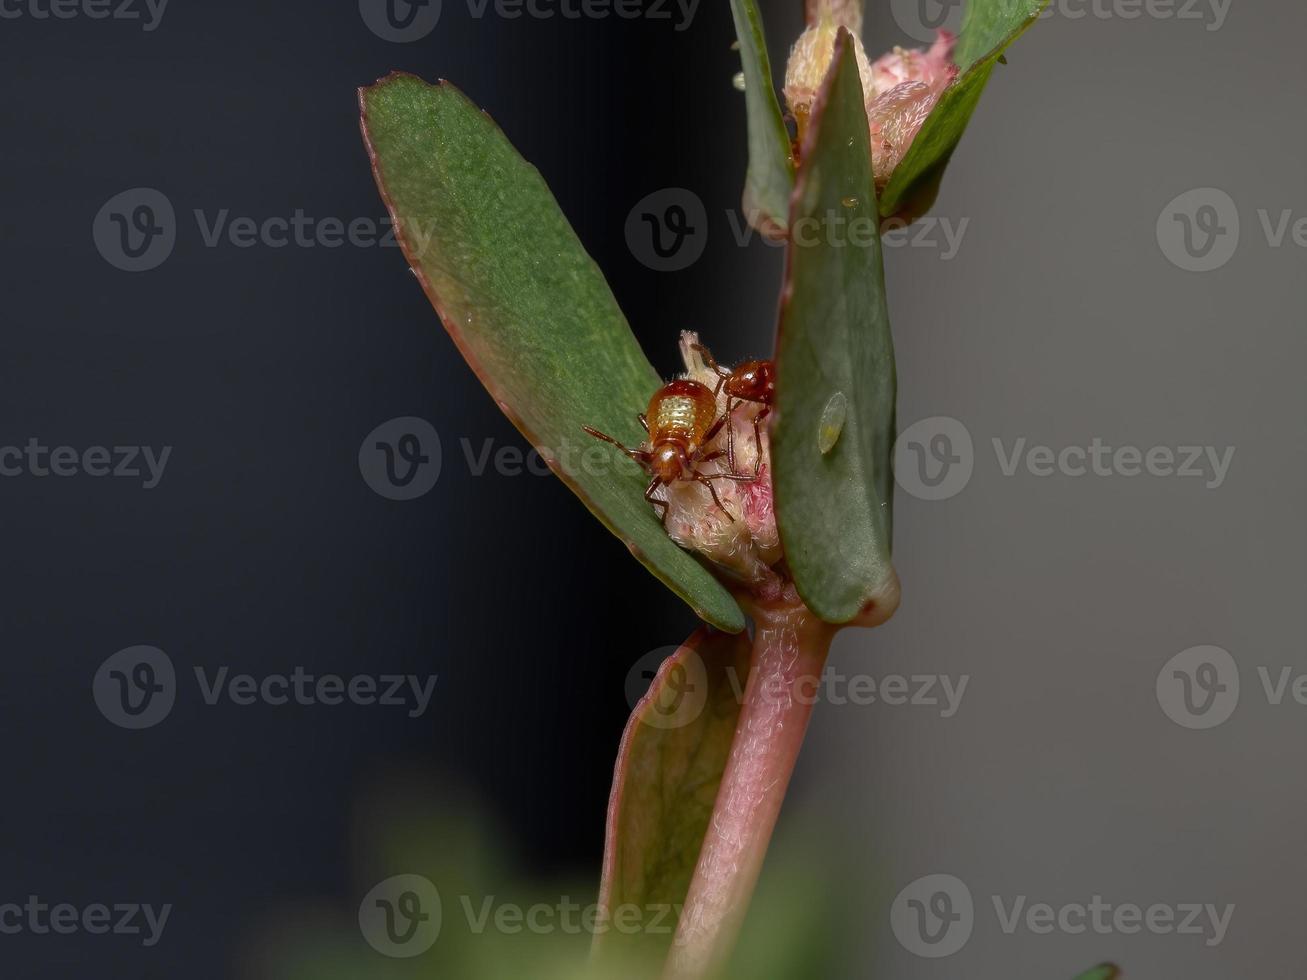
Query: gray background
1060,320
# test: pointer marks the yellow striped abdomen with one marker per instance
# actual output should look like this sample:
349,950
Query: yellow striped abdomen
681,412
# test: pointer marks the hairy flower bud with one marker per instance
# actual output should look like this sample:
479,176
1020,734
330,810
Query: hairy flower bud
810,60
899,89
906,84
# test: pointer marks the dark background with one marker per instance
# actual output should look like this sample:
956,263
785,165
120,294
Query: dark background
262,548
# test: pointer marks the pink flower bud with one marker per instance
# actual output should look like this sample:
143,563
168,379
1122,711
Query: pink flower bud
906,85
900,89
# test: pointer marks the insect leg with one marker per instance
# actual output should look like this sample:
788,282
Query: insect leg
707,482
641,456
730,433
717,369
713,429
648,495
757,439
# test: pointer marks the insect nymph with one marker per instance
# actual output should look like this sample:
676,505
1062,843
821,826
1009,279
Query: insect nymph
752,381
681,420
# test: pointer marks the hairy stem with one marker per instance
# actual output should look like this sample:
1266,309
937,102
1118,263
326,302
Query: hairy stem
789,651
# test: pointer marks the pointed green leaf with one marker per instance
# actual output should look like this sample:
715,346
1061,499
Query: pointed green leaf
770,175
835,392
527,307
987,30
670,762
989,26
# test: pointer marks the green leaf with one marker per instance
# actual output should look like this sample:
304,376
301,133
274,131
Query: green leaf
527,307
1105,972
770,176
671,760
834,346
987,30
989,26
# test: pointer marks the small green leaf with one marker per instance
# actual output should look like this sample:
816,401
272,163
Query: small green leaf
833,506
987,30
671,760
527,307
1105,972
770,175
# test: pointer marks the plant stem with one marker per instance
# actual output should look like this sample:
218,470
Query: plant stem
789,650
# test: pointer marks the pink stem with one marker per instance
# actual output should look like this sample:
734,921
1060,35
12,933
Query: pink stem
789,651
